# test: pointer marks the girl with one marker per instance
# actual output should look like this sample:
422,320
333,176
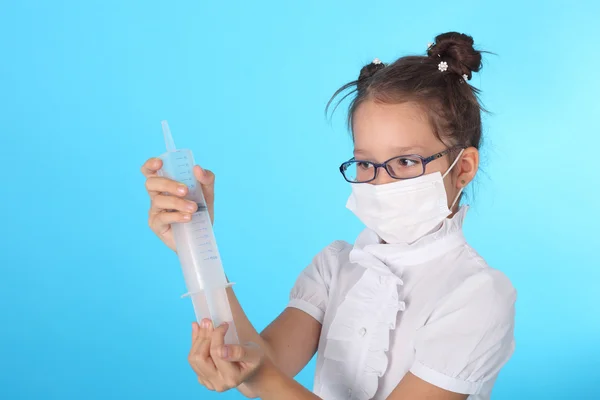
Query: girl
410,310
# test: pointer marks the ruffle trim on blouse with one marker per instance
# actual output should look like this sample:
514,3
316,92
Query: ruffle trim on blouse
360,335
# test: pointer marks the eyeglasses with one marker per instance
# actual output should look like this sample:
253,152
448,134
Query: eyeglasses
400,167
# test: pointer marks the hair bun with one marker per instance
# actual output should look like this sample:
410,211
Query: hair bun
367,72
457,49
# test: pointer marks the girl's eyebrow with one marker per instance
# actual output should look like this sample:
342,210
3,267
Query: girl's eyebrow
399,150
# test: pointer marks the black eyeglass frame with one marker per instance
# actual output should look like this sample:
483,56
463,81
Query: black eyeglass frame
424,162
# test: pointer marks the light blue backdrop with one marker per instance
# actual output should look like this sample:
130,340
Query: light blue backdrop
90,305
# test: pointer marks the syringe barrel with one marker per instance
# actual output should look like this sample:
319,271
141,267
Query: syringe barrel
197,249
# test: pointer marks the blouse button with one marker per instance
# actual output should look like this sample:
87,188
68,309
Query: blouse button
402,306
362,332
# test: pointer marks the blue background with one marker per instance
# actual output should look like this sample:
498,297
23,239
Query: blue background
90,305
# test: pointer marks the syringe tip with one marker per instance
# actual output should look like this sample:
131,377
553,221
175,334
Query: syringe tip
168,137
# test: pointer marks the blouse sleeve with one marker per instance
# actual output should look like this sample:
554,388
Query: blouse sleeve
311,290
469,336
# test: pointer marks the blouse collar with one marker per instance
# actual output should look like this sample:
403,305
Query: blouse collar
447,236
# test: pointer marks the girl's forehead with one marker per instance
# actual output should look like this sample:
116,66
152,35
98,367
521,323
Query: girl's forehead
400,128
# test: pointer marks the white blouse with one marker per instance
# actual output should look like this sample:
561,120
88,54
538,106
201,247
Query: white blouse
434,308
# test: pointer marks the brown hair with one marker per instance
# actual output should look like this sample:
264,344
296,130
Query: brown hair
451,104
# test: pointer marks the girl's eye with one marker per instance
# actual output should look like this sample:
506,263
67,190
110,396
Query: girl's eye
405,167
407,162
364,165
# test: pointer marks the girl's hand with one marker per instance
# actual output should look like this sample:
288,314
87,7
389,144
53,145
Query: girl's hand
167,202
222,367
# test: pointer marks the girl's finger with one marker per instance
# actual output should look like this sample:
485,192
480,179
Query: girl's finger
202,366
159,184
206,384
194,351
204,176
206,328
207,181
218,339
195,331
160,223
202,348
209,367
249,353
151,167
161,202
218,352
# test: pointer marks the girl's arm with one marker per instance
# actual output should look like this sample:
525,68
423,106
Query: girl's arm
271,384
293,337
290,341
414,388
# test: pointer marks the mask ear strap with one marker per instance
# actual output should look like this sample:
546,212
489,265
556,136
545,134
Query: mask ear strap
453,164
456,198
448,171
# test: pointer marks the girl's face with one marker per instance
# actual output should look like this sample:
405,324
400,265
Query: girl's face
383,131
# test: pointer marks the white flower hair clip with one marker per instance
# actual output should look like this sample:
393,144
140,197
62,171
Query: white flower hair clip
376,61
443,66
465,77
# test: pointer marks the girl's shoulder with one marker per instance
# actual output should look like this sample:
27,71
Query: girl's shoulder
469,282
339,246
477,272
334,254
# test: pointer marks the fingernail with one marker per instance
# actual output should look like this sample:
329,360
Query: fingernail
194,327
181,189
225,352
204,324
191,207
187,217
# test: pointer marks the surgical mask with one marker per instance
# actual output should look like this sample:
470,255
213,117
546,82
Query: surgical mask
403,211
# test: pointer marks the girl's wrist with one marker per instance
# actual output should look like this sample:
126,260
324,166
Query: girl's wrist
266,377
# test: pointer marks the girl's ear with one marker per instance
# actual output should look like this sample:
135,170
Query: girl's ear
467,167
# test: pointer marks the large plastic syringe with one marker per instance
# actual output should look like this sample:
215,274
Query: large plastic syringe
196,245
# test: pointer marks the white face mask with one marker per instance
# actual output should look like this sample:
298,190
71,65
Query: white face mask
403,211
